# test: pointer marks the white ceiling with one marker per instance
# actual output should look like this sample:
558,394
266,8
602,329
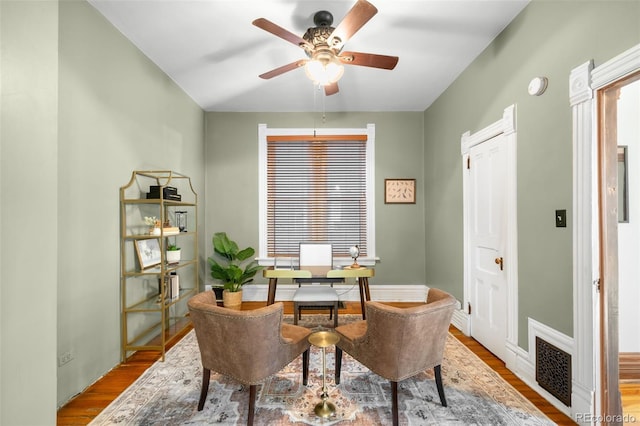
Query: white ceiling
214,53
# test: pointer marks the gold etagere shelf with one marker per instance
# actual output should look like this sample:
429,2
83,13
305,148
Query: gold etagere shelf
153,290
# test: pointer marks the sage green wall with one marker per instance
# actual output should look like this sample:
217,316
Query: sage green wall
546,39
117,113
232,181
28,211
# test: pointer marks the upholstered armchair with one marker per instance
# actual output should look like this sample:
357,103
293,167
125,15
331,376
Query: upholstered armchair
248,346
398,343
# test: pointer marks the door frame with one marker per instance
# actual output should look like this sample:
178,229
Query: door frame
505,126
592,348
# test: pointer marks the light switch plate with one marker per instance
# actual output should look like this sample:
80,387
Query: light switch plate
561,218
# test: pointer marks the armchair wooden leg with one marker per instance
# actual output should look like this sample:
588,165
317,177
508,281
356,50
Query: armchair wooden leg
206,374
438,375
338,364
252,404
394,402
305,367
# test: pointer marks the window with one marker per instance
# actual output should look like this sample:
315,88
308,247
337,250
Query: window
316,186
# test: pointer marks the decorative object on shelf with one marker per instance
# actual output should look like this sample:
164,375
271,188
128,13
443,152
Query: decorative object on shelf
169,193
167,229
323,339
232,271
400,191
173,254
148,251
154,225
181,220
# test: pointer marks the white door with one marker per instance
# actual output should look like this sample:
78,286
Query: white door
487,168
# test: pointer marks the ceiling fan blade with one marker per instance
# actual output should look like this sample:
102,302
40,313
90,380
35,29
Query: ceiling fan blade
359,15
331,89
285,68
280,32
368,60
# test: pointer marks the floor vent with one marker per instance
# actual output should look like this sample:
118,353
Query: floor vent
553,370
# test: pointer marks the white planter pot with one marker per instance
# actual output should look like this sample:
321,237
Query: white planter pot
173,256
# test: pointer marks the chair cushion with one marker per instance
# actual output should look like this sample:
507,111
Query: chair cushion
316,293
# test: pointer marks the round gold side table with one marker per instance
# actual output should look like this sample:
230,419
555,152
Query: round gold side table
324,339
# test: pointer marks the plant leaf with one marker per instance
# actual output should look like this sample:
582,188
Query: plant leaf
246,253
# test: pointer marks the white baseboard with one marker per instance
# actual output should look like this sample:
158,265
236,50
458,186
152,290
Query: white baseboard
460,320
582,404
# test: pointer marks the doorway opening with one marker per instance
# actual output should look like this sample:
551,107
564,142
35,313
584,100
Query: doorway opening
618,144
595,238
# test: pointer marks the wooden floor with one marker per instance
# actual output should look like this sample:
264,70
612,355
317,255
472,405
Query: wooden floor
630,391
86,406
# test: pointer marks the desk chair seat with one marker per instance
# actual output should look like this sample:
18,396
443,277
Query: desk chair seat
323,296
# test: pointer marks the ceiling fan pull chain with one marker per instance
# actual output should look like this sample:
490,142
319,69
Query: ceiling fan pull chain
324,117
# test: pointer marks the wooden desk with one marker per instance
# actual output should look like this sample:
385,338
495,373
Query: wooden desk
362,275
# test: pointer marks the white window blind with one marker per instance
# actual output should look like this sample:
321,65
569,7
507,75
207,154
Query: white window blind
316,192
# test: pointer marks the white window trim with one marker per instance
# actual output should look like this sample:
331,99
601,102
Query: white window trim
263,133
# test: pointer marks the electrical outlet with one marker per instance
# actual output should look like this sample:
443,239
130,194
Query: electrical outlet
207,287
64,358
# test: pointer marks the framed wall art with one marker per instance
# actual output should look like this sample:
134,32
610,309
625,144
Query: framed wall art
400,191
148,251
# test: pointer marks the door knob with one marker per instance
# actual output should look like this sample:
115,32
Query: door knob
500,261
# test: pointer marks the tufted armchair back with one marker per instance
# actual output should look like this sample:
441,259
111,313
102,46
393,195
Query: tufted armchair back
248,346
398,343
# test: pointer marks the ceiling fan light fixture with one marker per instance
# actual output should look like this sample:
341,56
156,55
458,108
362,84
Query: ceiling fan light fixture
323,71
323,46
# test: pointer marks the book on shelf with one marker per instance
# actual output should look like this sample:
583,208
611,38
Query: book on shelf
171,287
174,291
171,230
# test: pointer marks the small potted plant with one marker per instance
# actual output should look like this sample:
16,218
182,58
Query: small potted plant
232,267
173,254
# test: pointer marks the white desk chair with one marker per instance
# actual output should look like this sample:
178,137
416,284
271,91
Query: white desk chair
317,258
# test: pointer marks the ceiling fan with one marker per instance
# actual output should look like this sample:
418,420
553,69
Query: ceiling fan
323,45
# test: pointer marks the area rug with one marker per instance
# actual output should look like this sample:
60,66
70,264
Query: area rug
168,392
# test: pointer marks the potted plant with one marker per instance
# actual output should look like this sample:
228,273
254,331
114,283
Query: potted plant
233,268
173,254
